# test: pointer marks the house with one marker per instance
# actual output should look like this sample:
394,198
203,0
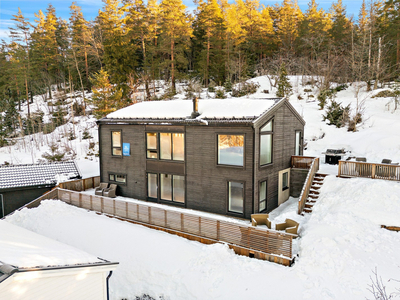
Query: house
36,267
226,156
20,184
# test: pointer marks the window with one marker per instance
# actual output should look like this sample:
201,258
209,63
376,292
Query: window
116,143
266,133
172,145
172,188
152,185
230,150
152,151
262,195
235,195
285,181
121,178
298,144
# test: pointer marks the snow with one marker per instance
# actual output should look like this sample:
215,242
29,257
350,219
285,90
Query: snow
23,248
341,243
182,109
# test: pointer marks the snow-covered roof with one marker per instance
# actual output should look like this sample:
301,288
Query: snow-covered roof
209,109
37,174
22,248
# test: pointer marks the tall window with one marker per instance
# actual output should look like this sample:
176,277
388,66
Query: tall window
299,144
152,185
172,145
262,195
230,150
172,188
285,181
116,143
235,196
266,134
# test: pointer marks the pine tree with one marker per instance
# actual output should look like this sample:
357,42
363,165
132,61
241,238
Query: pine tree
106,96
284,86
175,34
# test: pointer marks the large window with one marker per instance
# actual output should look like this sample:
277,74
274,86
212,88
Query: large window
285,181
299,143
235,196
121,178
172,188
230,150
262,195
171,145
116,143
266,138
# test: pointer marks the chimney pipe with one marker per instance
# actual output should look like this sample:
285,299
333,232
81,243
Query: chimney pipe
195,112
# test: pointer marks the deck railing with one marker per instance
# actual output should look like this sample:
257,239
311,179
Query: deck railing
302,162
277,246
314,167
368,170
81,184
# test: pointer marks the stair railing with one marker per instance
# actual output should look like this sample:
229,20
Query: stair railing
307,185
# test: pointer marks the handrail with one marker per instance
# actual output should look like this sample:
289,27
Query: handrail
307,184
302,162
368,170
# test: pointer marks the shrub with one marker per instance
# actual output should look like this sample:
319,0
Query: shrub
86,134
307,90
193,88
336,114
284,86
245,88
228,85
220,94
323,97
384,94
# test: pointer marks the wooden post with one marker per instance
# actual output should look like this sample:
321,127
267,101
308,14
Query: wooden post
91,202
340,169
182,224
149,210
114,207
165,218
80,200
373,171
218,229
93,182
200,226
137,212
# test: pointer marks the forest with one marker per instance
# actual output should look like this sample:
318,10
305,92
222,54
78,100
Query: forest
134,45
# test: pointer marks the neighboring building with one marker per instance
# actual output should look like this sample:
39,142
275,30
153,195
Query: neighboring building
20,184
226,156
36,267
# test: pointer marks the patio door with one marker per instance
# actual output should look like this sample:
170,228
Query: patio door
283,186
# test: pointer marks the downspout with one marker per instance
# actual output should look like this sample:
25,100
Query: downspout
108,285
254,167
2,206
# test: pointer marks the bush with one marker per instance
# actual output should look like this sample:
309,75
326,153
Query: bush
86,134
323,97
245,88
228,85
193,89
220,94
336,114
284,86
384,94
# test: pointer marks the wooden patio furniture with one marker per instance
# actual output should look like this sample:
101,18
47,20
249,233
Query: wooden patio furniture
260,219
99,190
110,191
290,226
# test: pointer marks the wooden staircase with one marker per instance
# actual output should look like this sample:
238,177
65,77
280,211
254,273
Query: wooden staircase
314,192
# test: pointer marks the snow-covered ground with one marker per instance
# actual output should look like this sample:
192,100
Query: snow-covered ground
341,243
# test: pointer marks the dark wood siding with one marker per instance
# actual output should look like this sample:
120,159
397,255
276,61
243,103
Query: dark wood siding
285,125
207,183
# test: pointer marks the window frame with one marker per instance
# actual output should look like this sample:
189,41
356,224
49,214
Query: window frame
243,166
158,146
285,187
115,174
172,189
112,143
265,133
157,186
266,195
298,147
230,212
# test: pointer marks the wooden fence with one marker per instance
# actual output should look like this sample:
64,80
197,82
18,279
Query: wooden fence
303,162
246,240
314,167
368,170
81,184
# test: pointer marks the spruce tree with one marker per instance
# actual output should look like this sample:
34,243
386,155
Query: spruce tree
284,86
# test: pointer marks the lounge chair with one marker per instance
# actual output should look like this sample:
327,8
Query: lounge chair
110,192
289,226
99,190
362,159
386,161
260,219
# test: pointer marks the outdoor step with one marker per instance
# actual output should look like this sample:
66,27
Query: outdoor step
321,175
309,205
318,179
307,210
315,187
313,201
314,192
317,183
313,196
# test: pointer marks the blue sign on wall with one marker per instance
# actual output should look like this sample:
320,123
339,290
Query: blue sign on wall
126,149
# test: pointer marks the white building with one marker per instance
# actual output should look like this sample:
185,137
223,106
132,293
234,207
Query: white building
36,267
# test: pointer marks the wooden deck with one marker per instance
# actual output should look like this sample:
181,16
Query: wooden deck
246,240
368,170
